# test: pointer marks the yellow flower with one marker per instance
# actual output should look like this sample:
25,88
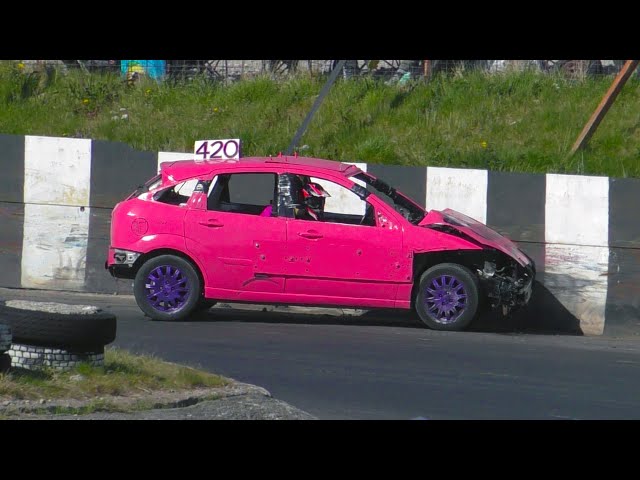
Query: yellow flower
20,66
85,101
215,109
483,144
147,91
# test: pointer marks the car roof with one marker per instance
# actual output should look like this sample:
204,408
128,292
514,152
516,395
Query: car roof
182,169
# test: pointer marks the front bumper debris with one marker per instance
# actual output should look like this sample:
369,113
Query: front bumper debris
509,288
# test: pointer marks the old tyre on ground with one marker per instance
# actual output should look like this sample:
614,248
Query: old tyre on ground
70,331
5,338
167,287
447,297
31,357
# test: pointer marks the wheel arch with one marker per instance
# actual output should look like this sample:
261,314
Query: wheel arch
169,251
471,259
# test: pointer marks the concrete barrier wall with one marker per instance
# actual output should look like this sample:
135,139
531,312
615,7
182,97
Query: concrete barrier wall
56,196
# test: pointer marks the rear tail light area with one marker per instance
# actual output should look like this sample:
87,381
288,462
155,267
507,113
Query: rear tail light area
124,257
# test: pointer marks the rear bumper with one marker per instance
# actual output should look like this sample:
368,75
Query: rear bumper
120,271
120,263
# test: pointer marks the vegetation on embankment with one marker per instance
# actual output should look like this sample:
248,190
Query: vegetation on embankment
518,121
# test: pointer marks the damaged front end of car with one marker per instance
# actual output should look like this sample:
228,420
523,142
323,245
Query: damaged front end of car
507,284
505,272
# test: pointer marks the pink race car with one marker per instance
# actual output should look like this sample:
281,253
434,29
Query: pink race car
305,231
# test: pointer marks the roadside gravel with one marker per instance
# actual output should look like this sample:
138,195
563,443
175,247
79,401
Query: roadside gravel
238,401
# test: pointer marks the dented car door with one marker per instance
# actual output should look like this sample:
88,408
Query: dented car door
240,247
349,255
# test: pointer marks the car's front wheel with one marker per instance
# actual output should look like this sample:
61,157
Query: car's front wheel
167,287
447,297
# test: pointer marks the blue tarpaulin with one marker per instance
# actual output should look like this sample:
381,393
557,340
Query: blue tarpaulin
153,68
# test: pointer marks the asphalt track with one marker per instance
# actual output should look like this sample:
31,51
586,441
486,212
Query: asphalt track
385,366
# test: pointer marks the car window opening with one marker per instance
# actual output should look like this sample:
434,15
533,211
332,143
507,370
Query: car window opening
410,210
178,194
245,193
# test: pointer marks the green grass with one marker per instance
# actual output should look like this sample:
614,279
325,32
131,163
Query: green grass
123,374
517,122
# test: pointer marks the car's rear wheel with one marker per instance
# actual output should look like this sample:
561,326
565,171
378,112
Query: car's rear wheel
447,297
167,287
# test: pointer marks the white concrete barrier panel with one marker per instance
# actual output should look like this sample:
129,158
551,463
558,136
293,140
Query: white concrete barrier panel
464,190
342,200
57,170
577,210
577,251
54,247
172,157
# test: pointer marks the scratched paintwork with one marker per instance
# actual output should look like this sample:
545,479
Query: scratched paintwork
578,279
54,247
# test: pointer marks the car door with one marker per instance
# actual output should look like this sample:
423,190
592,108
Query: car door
241,248
343,259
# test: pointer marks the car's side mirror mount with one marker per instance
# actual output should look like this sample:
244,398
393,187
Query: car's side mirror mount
382,218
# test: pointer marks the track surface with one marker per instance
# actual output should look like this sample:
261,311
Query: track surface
389,367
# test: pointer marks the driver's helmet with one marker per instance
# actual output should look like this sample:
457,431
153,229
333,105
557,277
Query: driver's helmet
313,198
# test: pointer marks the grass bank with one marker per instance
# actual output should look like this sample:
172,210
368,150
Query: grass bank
123,375
517,122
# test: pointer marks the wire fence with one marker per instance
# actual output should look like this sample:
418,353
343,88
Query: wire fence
388,70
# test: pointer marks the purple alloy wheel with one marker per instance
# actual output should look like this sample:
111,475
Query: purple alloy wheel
445,299
167,288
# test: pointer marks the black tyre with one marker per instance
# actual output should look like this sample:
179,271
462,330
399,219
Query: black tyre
447,297
167,288
85,332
